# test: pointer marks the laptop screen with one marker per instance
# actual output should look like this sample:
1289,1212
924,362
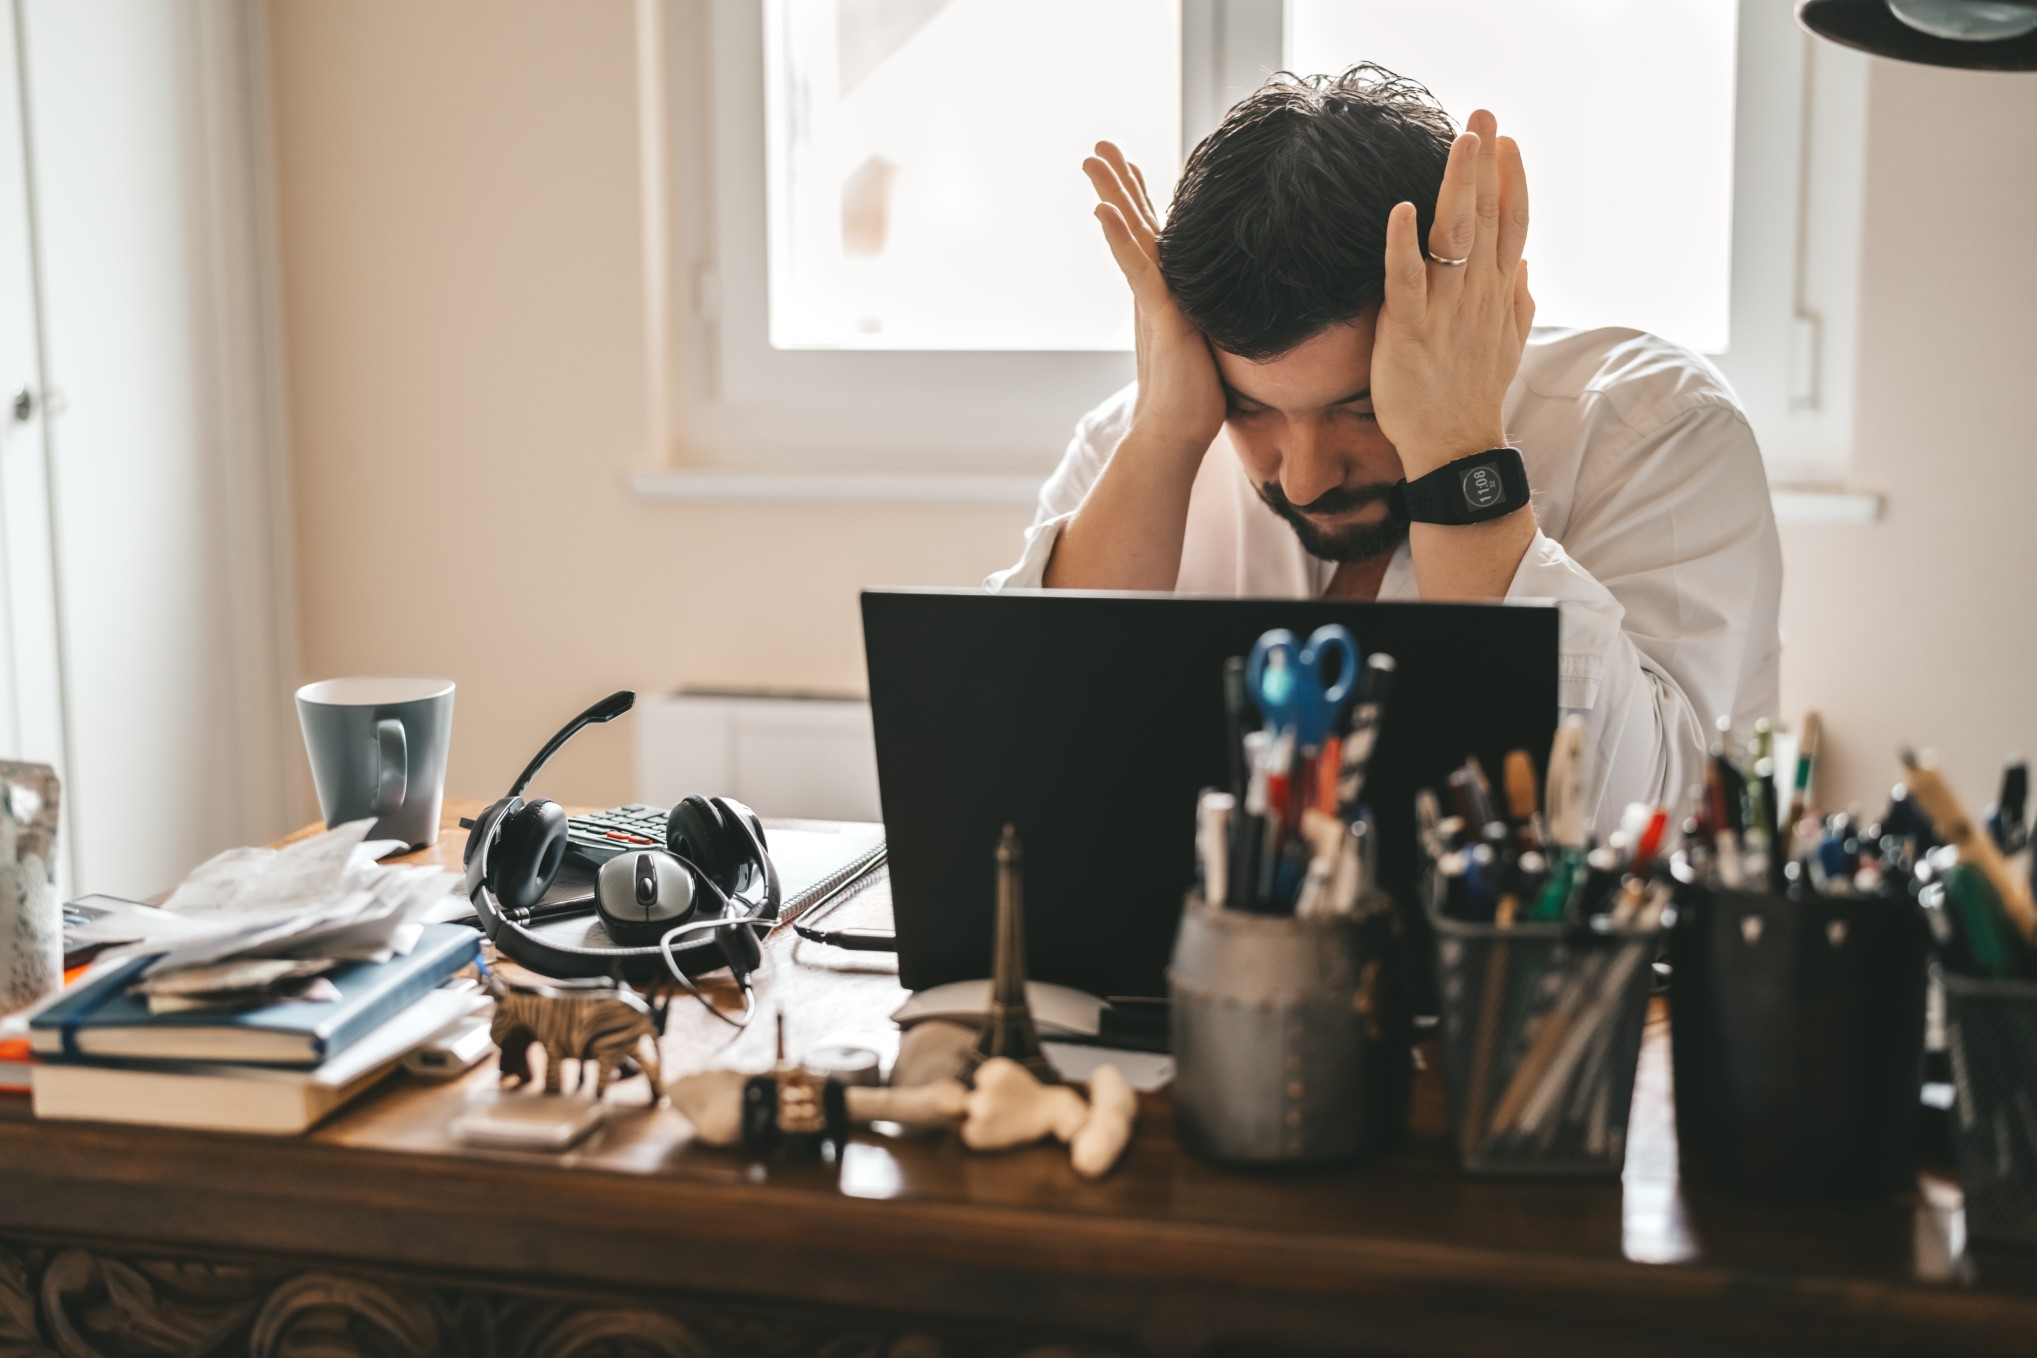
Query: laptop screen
1091,721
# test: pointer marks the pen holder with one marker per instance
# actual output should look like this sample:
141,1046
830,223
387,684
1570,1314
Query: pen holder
1797,1035
1991,1036
1291,1036
1541,1038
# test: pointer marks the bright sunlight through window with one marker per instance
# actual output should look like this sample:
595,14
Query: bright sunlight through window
1624,112
924,159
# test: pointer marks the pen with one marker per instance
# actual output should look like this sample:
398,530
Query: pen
1362,736
1234,723
1478,793
2005,817
1249,826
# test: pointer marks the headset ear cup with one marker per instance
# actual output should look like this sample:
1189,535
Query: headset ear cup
736,820
694,832
528,851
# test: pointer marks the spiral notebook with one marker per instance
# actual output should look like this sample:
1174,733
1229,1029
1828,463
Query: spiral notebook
819,859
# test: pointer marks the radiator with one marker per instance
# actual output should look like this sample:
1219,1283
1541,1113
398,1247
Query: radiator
786,755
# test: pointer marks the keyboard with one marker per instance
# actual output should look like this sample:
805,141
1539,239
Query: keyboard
623,829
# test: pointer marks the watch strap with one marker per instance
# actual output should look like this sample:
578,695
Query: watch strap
1487,485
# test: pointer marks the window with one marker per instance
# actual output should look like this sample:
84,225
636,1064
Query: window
924,197
1630,162
887,260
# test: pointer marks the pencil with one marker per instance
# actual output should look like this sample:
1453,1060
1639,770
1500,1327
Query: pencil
1487,1037
1948,817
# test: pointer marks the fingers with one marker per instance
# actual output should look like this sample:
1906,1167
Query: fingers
1407,273
1513,207
1139,267
1455,230
1485,197
1145,196
1134,187
1524,302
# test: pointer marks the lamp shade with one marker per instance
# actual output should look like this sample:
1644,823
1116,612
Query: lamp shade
1976,35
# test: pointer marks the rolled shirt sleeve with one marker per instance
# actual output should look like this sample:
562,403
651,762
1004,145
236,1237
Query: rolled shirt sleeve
1656,636
1097,436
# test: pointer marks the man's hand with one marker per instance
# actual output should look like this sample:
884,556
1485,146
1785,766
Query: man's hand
1449,337
1180,405
1129,530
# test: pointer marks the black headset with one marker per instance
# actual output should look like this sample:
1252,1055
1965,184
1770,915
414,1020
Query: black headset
515,849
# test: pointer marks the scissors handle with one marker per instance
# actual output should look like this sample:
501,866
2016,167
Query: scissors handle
1273,676
1324,695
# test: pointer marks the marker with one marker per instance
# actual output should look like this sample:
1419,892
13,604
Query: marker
1519,776
1807,759
1563,795
1212,843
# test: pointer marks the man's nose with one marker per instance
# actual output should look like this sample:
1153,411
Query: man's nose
1309,464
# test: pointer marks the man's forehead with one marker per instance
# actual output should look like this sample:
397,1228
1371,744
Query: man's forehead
1329,366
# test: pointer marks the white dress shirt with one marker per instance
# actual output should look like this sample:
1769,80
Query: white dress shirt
1656,537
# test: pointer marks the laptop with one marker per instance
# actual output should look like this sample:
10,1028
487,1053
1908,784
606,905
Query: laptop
1090,721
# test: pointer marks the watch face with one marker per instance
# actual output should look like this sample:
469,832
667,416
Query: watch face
1482,488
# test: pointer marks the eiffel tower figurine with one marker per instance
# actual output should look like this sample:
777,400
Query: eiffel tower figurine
1008,1028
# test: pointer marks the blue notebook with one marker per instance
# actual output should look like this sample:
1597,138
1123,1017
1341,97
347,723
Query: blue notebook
101,1021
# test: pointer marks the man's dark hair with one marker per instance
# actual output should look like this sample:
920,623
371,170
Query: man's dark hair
1278,226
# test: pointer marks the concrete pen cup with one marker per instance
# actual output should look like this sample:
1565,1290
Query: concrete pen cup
378,751
1291,1036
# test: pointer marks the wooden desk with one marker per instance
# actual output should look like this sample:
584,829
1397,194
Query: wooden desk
377,1234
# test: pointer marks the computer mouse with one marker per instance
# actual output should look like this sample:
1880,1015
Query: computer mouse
642,895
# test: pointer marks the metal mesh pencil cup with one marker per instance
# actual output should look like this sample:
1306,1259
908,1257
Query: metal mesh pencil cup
1541,1038
1991,1037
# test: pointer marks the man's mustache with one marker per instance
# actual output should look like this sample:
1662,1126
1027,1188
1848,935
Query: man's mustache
1337,500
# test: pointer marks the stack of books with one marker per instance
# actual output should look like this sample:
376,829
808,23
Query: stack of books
105,1053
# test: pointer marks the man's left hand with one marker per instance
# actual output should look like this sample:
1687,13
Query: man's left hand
1449,336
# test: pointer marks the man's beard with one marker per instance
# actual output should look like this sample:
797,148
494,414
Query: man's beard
1351,542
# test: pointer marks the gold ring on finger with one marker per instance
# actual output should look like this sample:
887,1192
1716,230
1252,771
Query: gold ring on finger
1450,263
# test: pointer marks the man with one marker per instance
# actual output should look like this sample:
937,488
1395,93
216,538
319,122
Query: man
1299,353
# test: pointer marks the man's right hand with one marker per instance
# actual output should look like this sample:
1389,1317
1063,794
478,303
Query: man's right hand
1180,404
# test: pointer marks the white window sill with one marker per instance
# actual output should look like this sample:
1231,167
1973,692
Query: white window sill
804,487
1793,504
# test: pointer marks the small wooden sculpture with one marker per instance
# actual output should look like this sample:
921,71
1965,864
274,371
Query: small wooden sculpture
601,1028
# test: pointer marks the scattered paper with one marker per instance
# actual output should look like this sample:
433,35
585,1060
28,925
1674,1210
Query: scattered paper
321,898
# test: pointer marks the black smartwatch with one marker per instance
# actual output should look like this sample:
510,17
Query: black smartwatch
1487,485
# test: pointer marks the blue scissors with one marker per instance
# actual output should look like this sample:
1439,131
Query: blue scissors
1286,679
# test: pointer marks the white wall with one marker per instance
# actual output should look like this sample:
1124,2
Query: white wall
464,291
1923,629
464,297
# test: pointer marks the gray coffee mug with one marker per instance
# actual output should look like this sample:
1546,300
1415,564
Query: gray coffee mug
378,749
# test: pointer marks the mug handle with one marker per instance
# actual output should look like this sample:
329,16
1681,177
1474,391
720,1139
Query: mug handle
392,763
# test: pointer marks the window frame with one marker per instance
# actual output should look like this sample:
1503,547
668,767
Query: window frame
732,406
